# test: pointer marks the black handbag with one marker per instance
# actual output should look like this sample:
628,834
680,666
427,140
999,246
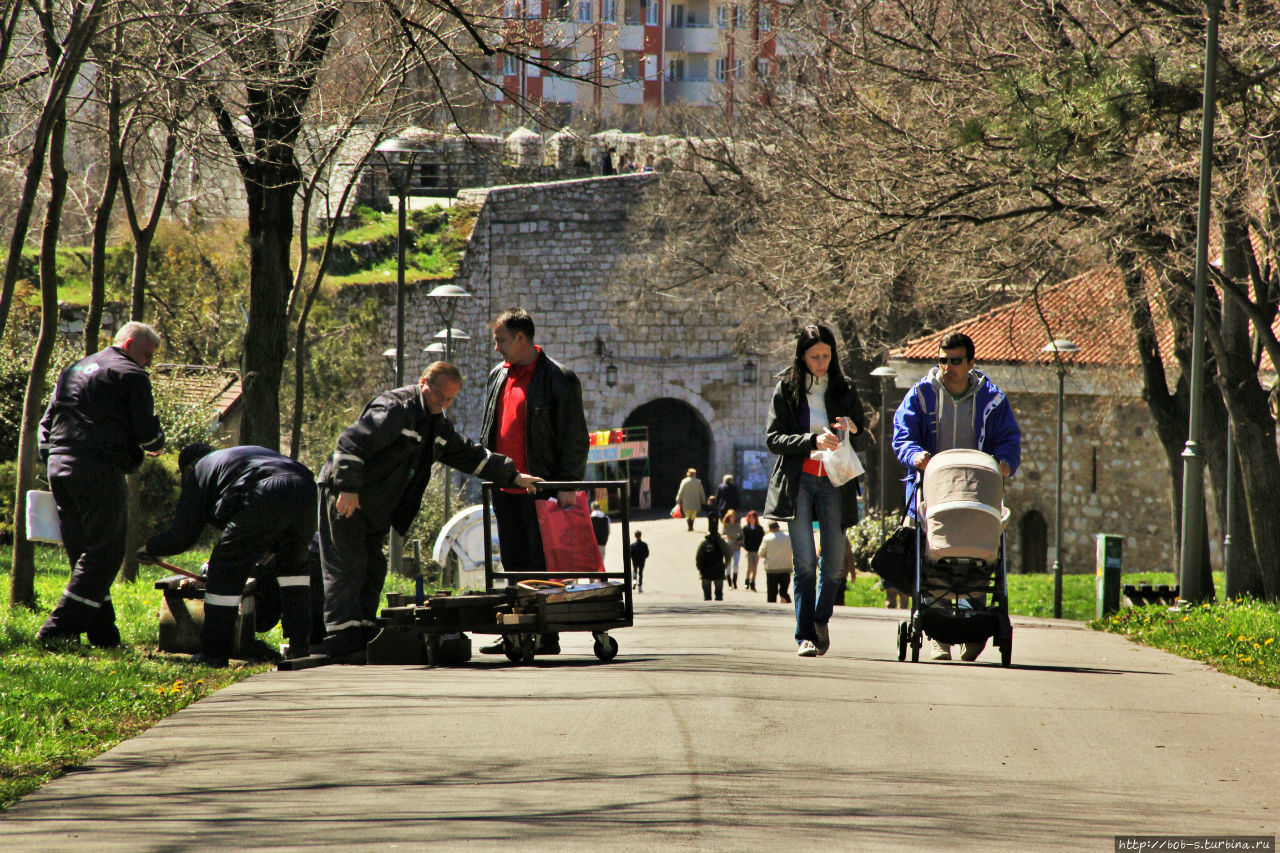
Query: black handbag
895,560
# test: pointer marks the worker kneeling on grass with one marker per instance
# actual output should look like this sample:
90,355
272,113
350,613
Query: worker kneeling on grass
262,502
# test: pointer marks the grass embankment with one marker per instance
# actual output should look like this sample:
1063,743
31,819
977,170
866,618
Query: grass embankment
58,711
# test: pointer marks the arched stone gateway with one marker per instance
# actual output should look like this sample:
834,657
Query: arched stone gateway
678,440
1034,541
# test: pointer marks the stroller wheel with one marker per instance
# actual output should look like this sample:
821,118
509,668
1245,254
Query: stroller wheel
1006,646
903,632
917,640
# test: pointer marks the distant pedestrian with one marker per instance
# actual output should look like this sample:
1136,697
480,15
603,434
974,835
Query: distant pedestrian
710,558
733,535
775,551
600,526
639,554
726,496
752,536
690,496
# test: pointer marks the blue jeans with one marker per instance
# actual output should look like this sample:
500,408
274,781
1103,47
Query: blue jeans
816,500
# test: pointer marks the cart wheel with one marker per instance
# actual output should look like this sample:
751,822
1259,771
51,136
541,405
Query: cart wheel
917,640
527,644
511,648
606,647
1006,647
903,632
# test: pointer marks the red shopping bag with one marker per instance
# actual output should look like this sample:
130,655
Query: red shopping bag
568,542
677,512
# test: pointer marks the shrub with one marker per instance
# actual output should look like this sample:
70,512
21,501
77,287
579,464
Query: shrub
8,488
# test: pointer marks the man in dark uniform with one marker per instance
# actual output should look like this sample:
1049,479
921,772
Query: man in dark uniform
99,425
533,414
263,503
374,480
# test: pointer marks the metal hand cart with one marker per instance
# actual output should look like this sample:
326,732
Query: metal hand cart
529,605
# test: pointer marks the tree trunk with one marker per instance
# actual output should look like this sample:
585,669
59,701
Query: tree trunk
23,589
98,264
271,280
1243,574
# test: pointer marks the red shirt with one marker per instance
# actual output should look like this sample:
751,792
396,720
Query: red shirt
512,413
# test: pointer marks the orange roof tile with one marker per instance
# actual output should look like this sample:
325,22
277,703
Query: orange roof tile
1090,310
196,385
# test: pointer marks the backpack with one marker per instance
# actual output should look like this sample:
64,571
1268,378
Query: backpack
709,558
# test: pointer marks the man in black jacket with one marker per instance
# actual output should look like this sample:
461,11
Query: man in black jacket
99,425
533,414
375,480
262,502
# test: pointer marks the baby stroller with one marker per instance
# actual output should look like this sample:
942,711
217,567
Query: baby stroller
960,593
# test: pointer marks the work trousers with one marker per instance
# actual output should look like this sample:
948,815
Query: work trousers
354,568
277,516
92,501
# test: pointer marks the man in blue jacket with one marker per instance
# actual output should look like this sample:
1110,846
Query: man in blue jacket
263,502
955,406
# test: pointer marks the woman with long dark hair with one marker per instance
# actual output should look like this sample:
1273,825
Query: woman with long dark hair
811,404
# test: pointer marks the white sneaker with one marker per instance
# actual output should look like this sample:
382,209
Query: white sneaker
940,651
807,649
824,638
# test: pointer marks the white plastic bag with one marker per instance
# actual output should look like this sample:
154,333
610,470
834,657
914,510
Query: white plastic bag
42,518
842,464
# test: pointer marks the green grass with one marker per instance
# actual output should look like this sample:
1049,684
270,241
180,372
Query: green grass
57,711
1240,637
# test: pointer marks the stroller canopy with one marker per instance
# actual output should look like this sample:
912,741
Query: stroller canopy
962,501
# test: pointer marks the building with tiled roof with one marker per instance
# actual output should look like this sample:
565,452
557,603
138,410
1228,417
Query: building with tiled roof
1115,474
215,389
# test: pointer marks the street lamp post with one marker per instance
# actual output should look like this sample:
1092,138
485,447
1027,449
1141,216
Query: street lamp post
1057,348
886,375
446,298
1192,551
398,155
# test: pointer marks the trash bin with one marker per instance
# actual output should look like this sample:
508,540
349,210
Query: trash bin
1110,552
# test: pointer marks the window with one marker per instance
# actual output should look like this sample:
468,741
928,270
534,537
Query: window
722,69
765,26
511,8
722,17
762,68
737,17
584,11
610,13
651,12
677,16
631,62
675,71
737,69
510,66
609,65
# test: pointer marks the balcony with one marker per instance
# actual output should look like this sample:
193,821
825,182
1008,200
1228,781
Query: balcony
631,37
629,93
559,90
695,93
560,33
702,38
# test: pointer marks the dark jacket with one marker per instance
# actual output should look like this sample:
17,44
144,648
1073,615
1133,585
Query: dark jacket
639,553
386,457
600,526
555,438
215,488
726,498
712,560
102,410
792,443
752,537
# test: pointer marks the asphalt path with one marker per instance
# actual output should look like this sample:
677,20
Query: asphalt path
706,733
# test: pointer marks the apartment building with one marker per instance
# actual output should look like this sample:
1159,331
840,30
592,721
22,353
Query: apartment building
623,61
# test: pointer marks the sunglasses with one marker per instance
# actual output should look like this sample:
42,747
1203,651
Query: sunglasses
955,360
